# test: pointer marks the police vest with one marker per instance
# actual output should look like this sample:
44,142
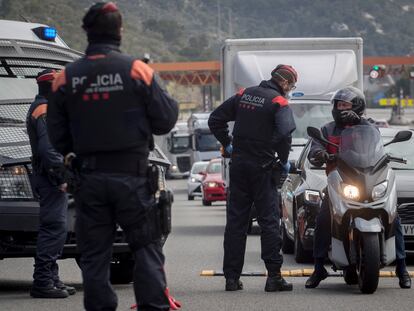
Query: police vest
105,110
255,122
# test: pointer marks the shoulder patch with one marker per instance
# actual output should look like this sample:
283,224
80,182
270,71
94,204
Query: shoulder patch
142,71
280,100
60,80
39,111
241,91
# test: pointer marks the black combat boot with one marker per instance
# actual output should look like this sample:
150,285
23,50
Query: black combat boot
48,292
317,276
70,289
276,283
233,285
402,274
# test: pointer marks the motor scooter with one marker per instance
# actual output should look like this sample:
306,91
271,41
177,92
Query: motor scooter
363,204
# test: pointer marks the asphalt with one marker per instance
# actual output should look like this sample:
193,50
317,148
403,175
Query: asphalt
195,245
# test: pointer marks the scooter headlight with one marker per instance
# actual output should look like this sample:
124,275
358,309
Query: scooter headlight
379,190
350,192
312,196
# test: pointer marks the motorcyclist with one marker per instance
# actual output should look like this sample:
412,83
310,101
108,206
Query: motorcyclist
348,108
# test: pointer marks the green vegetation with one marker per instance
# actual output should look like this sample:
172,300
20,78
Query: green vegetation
181,30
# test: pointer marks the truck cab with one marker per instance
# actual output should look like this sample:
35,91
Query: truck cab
176,147
203,143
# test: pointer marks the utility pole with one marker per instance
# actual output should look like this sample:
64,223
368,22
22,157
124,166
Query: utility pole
230,24
219,20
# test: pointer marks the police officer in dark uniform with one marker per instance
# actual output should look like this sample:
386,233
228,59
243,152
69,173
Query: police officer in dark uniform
105,108
348,108
263,126
49,184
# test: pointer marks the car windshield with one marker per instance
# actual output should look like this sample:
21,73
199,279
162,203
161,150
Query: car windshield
207,142
361,146
179,144
310,114
199,167
404,150
214,168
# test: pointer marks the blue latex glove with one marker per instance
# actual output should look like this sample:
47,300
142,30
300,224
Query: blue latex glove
229,149
285,168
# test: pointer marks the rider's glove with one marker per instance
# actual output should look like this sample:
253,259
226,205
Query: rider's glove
321,156
349,117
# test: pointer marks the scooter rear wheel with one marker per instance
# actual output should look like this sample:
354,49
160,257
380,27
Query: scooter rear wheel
369,262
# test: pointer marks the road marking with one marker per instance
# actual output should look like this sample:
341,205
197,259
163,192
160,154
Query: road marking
294,273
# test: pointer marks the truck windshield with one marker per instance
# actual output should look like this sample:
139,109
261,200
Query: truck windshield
179,144
207,142
310,114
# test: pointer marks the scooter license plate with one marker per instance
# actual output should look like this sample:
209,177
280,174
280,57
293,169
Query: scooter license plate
408,230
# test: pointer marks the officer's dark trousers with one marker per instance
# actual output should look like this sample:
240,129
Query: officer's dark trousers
52,232
102,201
322,238
250,183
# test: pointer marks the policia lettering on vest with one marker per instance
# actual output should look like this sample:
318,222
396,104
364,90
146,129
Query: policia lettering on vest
104,109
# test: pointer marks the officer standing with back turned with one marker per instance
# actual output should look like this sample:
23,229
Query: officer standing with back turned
263,126
105,108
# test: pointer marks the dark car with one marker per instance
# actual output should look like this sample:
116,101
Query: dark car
301,198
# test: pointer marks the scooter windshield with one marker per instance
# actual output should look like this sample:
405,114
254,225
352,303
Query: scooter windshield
361,146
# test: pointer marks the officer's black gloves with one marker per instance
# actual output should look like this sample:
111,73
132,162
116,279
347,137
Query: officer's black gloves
350,117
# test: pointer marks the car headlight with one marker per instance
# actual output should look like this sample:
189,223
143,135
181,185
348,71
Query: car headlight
350,192
212,184
174,168
312,196
193,179
379,190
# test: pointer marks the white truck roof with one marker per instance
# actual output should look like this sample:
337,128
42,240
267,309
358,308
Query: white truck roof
323,64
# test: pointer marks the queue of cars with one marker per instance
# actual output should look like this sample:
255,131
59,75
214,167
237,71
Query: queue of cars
206,181
302,195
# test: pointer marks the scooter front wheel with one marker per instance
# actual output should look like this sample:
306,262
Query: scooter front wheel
369,262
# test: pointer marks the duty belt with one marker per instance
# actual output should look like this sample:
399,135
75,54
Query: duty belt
127,163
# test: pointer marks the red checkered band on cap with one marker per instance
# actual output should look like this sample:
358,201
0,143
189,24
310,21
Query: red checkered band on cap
109,7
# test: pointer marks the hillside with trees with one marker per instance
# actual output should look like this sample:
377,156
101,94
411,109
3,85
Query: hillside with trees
185,30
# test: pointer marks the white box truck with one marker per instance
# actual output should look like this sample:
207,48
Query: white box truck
323,64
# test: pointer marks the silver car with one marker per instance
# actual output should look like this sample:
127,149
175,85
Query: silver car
195,178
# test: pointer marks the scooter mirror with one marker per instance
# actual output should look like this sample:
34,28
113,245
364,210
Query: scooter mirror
317,135
314,132
400,137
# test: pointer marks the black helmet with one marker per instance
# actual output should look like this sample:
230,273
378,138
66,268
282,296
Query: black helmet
351,95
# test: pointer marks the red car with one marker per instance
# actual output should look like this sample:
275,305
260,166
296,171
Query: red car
213,184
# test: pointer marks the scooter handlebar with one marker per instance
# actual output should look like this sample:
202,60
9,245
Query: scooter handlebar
398,160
